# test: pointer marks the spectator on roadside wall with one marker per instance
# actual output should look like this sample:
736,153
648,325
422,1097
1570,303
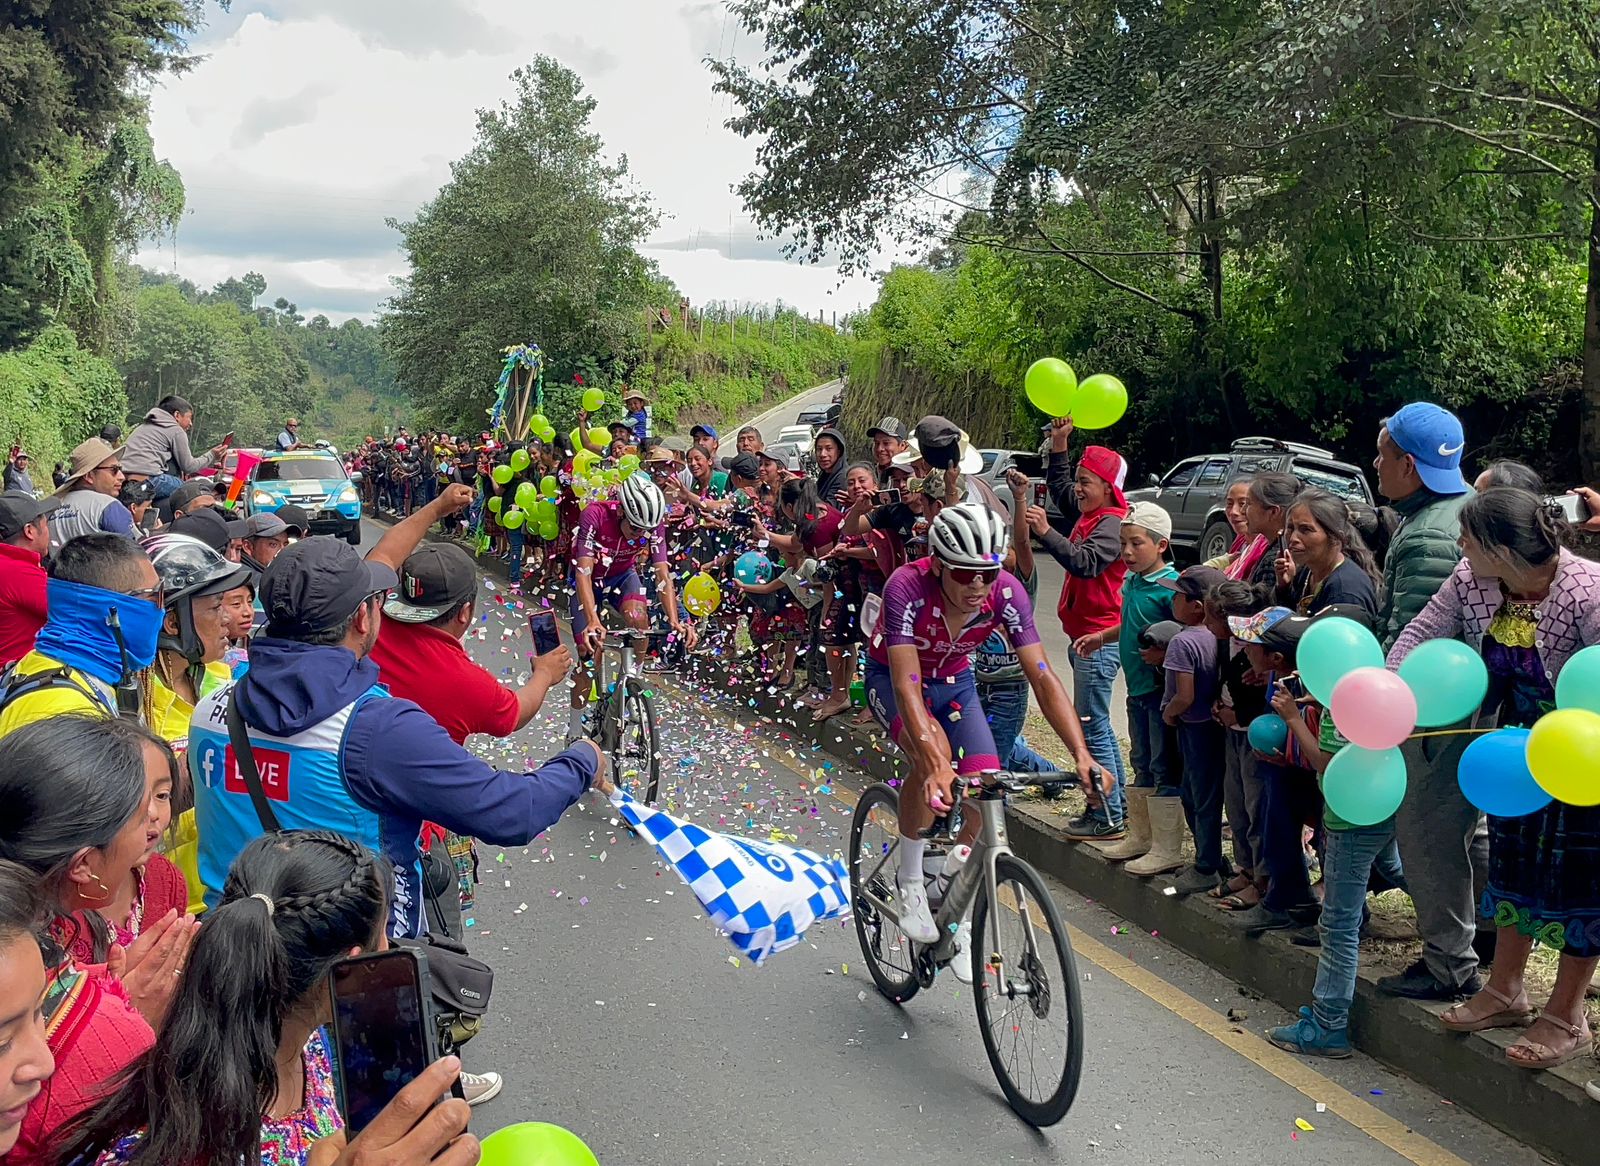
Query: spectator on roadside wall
158,447
17,477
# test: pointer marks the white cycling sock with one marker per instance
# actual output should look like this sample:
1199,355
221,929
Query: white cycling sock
910,871
575,721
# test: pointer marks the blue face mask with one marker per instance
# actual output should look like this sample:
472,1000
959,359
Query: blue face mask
79,631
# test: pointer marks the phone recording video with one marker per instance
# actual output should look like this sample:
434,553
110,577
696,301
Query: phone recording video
887,497
1574,507
742,518
383,1030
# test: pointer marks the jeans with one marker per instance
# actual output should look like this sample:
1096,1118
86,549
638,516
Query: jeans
1241,795
1351,856
1202,746
1151,745
1005,705
518,539
1092,679
1290,799
162,486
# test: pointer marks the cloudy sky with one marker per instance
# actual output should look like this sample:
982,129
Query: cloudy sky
311,121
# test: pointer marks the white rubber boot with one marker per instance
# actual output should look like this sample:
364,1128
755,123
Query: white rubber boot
1137,842
1167,826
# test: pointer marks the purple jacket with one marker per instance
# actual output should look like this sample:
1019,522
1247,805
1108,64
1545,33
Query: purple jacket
1568,618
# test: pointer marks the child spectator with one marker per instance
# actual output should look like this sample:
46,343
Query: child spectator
1241,700
1146,600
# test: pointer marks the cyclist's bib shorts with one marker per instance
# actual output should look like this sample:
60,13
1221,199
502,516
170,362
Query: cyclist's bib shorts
953,703
613,592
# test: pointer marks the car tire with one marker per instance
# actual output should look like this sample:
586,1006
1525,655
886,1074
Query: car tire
1216,540
353,535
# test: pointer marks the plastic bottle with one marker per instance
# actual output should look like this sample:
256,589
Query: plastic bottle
940,884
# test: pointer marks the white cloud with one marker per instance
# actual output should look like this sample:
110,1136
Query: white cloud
310,123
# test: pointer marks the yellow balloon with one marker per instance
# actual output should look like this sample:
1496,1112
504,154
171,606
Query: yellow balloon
1564,756
702,595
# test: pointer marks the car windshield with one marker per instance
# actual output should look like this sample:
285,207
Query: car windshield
988,459
1327,478
299,469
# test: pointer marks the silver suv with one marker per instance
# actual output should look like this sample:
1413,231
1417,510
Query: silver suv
1195,490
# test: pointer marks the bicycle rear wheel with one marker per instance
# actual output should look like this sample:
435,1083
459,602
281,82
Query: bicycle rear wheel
1029,1009
874,842
636,758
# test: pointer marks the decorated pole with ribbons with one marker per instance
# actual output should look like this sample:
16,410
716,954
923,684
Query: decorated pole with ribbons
519,393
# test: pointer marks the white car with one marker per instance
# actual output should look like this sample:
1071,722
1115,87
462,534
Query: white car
798,436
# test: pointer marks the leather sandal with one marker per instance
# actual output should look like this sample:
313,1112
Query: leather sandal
1513,1013
1243,901
1232,887
1550,1057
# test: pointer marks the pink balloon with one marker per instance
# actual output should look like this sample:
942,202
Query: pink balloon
1374,708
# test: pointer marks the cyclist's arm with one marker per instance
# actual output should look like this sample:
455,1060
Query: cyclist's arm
1056,705
669,595
916,738
583,575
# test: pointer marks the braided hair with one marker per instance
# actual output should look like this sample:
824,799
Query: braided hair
201,1093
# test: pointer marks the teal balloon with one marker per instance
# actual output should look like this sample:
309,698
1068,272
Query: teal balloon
1365,786
752,568
1449,681
535,1143
1494,775
1330,650
1578,686
1268,733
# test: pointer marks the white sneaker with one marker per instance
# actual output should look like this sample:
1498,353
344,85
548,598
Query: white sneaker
961,965
916,920
481,1087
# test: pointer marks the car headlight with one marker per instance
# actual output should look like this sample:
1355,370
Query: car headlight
348,494
261,498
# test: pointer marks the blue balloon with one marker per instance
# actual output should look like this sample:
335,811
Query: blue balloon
1268,733
752,567
1494,775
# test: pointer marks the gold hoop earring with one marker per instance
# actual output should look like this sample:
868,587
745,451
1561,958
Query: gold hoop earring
106,891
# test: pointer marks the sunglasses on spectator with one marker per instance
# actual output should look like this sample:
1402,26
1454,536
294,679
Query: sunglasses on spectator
967,576
156,595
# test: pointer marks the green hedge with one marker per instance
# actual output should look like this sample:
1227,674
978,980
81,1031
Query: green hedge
53,395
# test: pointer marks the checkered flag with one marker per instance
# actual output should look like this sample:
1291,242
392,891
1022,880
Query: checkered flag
763,894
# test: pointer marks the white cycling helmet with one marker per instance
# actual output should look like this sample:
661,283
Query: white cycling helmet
643,504
968,535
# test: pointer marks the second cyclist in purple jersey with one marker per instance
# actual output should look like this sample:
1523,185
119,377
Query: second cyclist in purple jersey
920,686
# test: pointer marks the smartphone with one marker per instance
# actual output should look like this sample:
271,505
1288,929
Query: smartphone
888,497
1574,507
742,518
228,439
383,1030
546,637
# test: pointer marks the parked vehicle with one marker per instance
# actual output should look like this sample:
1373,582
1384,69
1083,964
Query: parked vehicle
1194,490
798,436
996,462
817,418
315,481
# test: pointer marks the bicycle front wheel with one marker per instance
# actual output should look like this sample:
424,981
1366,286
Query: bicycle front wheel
636,759
1029,1009
874,859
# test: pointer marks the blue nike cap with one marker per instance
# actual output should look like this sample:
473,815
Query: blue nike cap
1434,439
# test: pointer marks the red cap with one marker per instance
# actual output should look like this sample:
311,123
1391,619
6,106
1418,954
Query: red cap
1110,467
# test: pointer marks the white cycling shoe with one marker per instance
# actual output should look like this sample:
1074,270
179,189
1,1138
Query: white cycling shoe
962,964
916,919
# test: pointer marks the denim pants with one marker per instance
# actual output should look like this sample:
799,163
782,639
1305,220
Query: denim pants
1151,745
1352,854
1006,706
519,540
1202,746
162,486
1092,678
1290,798
1241,796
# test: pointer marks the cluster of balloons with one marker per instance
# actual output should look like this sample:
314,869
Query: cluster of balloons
1096,402
539,426
535,1143
1341,664
702,594
1512,772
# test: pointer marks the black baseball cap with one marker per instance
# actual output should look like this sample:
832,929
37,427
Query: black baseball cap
189,491
744,465
1159,634
210,526
626,427
1195,582
317,584
296,519
18,508
435,579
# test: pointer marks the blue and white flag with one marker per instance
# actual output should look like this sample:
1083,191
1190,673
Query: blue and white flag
763,894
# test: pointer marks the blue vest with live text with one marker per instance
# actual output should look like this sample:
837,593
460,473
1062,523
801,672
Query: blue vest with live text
302,776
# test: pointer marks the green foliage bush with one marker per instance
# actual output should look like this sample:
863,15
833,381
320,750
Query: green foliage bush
53,394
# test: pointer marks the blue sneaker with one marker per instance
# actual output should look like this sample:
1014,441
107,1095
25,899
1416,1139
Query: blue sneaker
1307,1037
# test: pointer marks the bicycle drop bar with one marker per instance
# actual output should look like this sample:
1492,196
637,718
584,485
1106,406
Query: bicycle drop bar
993,783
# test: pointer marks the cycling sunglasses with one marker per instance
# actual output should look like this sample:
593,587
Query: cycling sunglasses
966,576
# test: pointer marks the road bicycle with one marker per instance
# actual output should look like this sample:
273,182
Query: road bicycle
623,720
1025,984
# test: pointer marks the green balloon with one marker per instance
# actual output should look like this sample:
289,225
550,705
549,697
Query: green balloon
1331,649
494,504
526,495
535,1143
593,399
1050,384
1364,786
1578,686
1100,403
547,433
628,461
512,519
502,474
538,423
519,460
550,531
1449,681
548,486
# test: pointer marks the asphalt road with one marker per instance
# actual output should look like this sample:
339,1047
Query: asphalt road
620,1013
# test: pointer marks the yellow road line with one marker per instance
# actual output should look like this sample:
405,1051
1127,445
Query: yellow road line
1283,1065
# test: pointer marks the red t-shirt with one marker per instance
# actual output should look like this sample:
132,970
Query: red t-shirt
23,602
431,668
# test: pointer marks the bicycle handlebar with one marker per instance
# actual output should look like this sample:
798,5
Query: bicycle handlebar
992,782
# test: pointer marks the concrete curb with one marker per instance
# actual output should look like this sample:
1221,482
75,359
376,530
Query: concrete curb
1548,1111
